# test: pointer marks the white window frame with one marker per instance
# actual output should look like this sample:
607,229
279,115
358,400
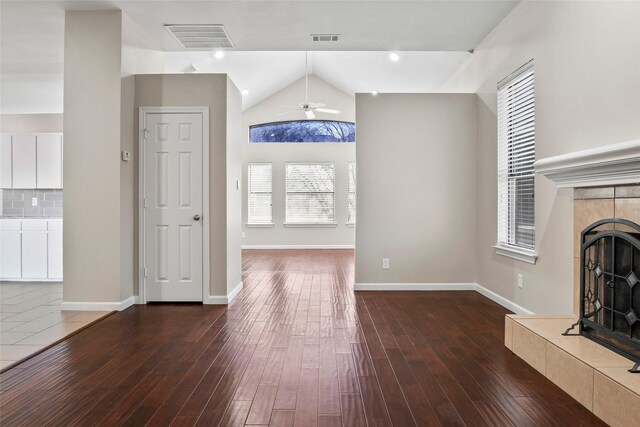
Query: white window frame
351,222
249,192
288,223
506,237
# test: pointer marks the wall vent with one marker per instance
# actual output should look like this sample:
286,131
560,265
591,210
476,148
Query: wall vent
201,37
325,37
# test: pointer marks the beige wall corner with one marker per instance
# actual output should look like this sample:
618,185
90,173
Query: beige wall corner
416,196
579,105
199,90
234,186
91,128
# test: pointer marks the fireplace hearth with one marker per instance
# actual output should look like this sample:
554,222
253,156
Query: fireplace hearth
610,287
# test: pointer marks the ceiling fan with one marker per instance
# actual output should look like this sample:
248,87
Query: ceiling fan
309,108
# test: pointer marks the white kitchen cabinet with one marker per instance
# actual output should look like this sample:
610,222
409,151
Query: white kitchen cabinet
34,249
23,156
10,249
49,160
31,249
5,161
54,249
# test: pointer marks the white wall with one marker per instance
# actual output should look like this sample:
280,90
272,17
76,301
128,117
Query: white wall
587,68
416,188
279,154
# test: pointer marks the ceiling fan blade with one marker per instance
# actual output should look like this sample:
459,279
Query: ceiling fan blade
310,114
327,110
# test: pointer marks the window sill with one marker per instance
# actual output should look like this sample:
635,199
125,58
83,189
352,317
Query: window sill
529,257
311,225
271,225
351,225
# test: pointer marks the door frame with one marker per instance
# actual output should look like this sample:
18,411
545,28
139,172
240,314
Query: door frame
142,283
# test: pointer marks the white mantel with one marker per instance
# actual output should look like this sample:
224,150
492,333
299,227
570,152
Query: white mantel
609,165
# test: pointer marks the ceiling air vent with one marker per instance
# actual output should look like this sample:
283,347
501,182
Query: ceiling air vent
189,69
325,37
201,37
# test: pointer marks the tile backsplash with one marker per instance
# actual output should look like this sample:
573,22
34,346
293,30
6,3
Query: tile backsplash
18,203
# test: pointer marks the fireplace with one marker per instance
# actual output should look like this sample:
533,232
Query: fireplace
610,286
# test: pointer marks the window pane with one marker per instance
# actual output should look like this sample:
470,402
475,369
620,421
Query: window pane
310,193
516,156
303,131
259,192
351,214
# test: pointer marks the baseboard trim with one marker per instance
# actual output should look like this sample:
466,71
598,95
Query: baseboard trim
298,246
414,287
508,304
32,280
98,305
235,291
499,299
224,299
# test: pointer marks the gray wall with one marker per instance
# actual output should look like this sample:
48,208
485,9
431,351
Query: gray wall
416,194
203,90
587,62
92,160
279,154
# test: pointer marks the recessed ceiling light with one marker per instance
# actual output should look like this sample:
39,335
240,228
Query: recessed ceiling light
375,92
394,57
244,91
219,54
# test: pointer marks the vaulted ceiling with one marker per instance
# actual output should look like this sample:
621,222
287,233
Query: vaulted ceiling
270,37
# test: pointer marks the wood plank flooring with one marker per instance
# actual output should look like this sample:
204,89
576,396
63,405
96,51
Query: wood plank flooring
296,347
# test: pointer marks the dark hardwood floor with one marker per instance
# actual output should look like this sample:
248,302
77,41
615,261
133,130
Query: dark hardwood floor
296,347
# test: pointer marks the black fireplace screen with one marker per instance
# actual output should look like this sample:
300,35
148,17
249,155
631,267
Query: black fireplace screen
610,286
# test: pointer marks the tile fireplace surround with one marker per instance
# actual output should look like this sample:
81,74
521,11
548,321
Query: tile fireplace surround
605,182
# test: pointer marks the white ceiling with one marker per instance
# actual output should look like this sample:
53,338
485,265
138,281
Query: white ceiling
265,73
270,37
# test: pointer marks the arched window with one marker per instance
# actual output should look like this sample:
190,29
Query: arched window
303,131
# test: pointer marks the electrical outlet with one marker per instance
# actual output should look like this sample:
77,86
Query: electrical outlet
244,234
520,281
385,263
34,201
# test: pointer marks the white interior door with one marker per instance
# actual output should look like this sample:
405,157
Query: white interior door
173,191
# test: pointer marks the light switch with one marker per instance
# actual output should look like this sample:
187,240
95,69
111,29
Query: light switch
34,201
126,156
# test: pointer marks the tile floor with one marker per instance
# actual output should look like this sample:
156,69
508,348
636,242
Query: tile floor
31,319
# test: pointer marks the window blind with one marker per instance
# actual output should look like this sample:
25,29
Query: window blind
260,193
351,188
310,193
516,155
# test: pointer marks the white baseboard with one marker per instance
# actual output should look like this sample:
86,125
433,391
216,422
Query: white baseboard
235,291
508,304
32,280
298,246
98,306
223,299
414,287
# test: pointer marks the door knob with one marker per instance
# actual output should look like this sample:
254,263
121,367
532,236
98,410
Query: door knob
196,217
